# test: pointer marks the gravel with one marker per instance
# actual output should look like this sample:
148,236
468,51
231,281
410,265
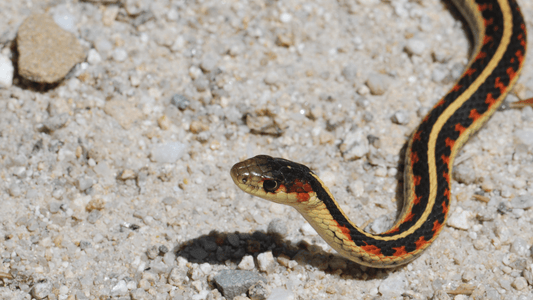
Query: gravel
115,180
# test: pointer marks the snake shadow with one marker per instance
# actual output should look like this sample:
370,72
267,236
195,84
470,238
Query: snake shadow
222,248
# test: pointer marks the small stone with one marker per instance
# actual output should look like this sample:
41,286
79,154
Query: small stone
277,226
258,291
209,63
519,247
247,263
438,75
180,101
393,286
93,57
522,202
168,153
140,294
197,127
400,117
84,183
233,240
46,51
120,54
355,145
281,294
41,290
124,112
350,72
164,122
152,252
271,78
519,283
415,47
120,289
232,283
525,136
460,219
56,122
175,277
6,72
464,173
14,190
109,15
198,253
266,262
128,174
307,230
54,207
85,245
378,84
94,216
97,203
169,201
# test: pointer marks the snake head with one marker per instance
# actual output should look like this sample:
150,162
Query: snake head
274,179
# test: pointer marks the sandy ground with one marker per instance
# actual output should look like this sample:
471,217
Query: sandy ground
130,195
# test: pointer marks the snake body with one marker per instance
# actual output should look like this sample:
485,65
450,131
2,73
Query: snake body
500,45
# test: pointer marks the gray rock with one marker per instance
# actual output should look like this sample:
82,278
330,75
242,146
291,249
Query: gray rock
349,72
232,283
378,84
41,290
180,101
93,216
56,122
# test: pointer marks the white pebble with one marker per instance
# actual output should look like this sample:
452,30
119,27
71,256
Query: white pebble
307,230
64,18
459,219
266,261
247,263
393,286
119,289
168,153
93,57
525,136
415,47
120,54
281,294
285,17
6,72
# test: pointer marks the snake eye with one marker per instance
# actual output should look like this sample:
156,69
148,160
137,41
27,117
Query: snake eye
244,180
270,185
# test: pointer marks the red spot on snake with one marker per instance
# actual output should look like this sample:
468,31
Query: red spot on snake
456,88
345,231
372,249
487,39
482,7
520,56
446,176
417,199
445,159
421,243
400,251
447,193
444,206
490,100
303,197
489,22
499,85
481,55
474,115
470,71
449,142
416,180
414,157
441,102
436,226
460,128
409,217
511,73
416,136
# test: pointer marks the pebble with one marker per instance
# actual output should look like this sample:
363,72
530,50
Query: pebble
119,289
14,190
168,153
393,286
124,112
281,294
400,117
464,173
355,145
93,57
209,63
232,283
247,263
522,202
41,290
56,122
64,18
378,84
266,262
525,136
46,51
519,246
415,47
120,54
307,230
6,72
271,78
350,72
519,283
460,219
180,101
84,183
278,226
258,291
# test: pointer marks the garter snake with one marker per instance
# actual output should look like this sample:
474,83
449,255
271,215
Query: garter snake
499,51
